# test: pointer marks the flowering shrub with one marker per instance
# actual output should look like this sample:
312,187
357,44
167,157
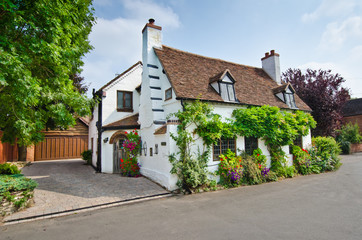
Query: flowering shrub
230,169
129,166
302,160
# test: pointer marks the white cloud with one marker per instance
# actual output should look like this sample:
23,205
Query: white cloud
356,53
118,42
331,8
336,34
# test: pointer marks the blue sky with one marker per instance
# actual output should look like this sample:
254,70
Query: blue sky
324,34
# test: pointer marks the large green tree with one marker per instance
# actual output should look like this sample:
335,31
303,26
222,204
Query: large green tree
42,43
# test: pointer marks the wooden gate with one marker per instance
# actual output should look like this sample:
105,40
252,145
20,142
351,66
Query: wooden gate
61,147
118,153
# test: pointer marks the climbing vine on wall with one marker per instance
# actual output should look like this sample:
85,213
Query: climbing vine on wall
196,120
277,128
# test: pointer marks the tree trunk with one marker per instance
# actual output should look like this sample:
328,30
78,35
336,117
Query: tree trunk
22,150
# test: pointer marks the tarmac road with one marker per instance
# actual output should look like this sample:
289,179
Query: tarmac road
324,206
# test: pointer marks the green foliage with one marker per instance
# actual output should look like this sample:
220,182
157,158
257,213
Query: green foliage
325,153
196,120
9,169
41,44
348,134
191,171
230,169
277,128
252,174
259,157
17,182
302,160
87,156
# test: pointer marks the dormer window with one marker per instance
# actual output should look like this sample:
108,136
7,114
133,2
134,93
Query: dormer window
285,93
289,98
223,84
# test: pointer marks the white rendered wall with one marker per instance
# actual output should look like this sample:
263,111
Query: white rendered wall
127,82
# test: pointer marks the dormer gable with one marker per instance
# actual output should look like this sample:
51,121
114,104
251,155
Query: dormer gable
286,93
223,84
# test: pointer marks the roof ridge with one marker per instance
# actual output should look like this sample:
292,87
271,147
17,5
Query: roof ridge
202,56
120,75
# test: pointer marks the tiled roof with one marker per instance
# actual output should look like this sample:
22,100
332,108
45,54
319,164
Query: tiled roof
282,88
190,75
125,123
352,107
161,130
120,75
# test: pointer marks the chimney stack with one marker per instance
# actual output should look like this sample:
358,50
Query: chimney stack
271,65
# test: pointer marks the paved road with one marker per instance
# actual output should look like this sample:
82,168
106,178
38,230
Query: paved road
325,206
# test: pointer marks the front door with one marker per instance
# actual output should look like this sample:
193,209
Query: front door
118,154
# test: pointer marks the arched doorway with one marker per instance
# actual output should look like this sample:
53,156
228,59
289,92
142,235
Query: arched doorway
118,153
117,140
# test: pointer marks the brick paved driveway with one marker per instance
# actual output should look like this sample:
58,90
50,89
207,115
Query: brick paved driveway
71,185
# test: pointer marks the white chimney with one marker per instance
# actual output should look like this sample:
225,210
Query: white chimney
152,37
271,65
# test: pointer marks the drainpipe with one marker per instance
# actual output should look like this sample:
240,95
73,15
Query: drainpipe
182,104
99,129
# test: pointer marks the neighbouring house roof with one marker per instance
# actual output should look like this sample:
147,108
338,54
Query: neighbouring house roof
352,107
190,76
128,122
120,75
85,120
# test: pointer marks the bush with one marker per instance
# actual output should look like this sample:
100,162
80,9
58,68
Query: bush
191,171
230,169
87,156
325,153
301,160
348,134
17,182
9,169
252,173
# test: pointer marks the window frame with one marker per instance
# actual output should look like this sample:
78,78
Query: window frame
125,109
168,90
290,99
216,158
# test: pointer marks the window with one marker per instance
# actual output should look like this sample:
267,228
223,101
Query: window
251,143
222,146
289,100
168,94
297,142
124,101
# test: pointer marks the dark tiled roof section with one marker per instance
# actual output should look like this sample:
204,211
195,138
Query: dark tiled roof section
127,121
282,88
190,75
352,107
161,130
120,75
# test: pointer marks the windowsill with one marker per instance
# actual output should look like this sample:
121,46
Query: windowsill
168,99
124,110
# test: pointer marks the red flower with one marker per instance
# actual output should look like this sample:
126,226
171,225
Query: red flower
259,166
258,154
136,133
125,133
121,160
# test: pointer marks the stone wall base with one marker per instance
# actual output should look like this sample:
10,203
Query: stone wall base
7,207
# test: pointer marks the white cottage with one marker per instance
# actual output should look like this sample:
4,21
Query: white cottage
170,78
